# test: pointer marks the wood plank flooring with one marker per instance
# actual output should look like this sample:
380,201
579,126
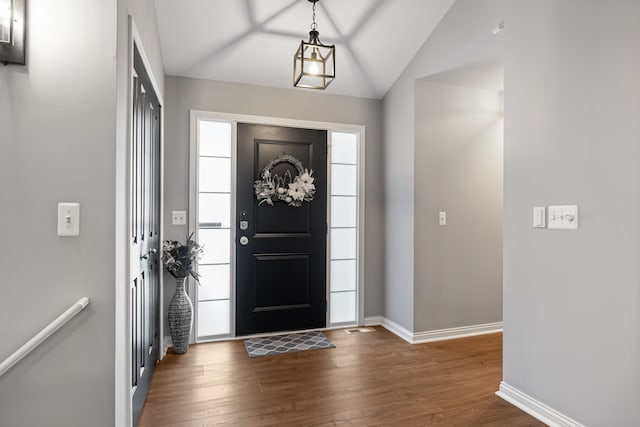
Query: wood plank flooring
368,379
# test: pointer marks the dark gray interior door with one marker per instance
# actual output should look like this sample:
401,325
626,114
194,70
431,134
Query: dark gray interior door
145,235
280,249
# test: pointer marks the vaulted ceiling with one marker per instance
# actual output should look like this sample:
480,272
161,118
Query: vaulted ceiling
253,41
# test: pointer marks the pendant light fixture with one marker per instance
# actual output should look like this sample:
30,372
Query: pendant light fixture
314,64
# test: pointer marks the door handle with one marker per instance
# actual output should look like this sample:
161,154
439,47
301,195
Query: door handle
244,240
152,251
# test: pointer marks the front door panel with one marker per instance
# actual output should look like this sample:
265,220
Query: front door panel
281,253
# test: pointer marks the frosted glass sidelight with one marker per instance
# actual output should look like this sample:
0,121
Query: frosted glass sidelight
215,139
214,208
344,180
217,246
343,307
343,275
214,282
343,243
344,148
343,211
215,175
214,318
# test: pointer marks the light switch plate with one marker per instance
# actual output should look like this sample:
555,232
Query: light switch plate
563,217
178,217
68,219
442,218
539,217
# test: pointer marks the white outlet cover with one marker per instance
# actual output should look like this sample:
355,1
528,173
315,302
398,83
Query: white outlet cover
178,217
563,217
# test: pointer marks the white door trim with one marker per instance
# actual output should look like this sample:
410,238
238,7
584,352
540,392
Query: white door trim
195,115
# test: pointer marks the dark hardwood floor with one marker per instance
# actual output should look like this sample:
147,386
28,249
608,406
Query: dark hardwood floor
368,379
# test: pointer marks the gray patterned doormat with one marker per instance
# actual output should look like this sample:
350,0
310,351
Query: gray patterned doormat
278,344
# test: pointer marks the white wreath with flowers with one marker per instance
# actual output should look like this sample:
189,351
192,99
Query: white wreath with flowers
291,190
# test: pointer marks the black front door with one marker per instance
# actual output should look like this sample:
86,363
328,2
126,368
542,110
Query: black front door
281,224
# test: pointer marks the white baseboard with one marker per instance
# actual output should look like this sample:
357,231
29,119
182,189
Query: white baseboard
452,333
373,321
398,330
429,336
536,409
393,327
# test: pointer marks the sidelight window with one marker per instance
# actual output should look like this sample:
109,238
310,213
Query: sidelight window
344,247
214,200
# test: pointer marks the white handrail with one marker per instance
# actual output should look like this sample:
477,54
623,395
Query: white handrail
43,335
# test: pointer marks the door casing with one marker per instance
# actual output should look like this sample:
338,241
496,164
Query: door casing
195,115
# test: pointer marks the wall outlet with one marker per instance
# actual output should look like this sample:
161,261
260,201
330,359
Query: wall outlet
178,217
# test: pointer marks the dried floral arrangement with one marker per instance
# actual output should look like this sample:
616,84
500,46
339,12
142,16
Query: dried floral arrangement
178,258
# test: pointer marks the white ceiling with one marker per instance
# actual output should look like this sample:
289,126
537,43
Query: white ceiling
253,41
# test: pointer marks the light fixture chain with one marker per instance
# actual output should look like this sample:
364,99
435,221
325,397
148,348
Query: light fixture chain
314,26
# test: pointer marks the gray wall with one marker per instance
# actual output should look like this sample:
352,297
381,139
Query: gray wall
398,184
444,51
184,94
572,136
58,143
57,120
458,169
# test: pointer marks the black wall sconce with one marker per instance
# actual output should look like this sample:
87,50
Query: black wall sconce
12,28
